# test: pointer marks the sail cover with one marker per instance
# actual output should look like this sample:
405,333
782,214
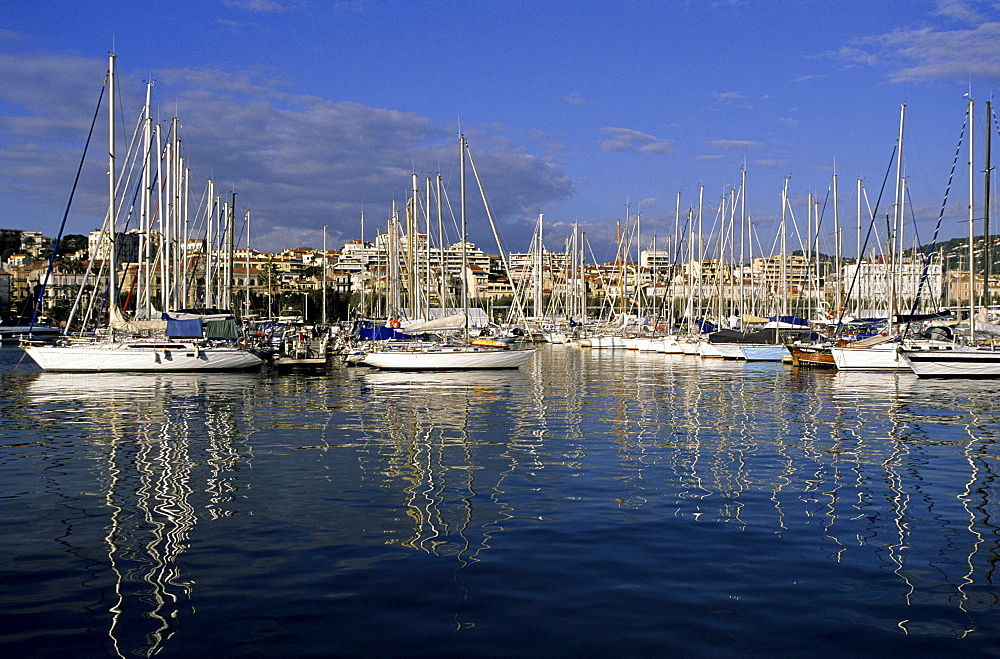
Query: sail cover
184,329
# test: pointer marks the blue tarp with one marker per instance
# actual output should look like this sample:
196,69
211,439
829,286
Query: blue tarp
791,320
381,333
183,329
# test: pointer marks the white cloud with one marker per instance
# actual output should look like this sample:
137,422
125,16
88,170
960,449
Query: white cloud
256,6
935,52
299,162
626,139
735,145
959,9
730,96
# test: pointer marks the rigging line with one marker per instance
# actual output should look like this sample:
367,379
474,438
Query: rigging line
864,246
69,204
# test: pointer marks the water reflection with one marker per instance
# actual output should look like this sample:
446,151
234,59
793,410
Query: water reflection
153,440
632,482
437,427
869,469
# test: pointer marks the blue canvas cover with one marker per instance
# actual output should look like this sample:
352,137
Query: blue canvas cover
183,329
381,333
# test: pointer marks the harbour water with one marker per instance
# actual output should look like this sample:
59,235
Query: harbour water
592,503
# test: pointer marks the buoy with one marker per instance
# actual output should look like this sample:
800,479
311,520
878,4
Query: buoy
394,324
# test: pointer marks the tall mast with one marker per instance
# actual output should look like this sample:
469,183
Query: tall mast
743,239
427,248
209,243
987,252
972,226
701,247
896,246
837,246
784,266
411,237
112,202
246,266
230,239
442,292
146,234
465,256
324,269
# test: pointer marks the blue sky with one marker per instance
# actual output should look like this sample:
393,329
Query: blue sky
316,111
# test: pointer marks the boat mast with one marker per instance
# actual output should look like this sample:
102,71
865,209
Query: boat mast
427,247
112,202
896,246
324,269
701,250
442,290
411,250
145,233
209,242
837,247
743,240
987,255
784,246
972,226
465,256
246,264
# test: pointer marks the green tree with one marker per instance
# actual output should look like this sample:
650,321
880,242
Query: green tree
73,242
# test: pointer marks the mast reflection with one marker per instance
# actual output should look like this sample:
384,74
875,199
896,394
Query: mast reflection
436,427
158,433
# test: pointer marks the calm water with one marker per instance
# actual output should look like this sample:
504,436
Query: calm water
591,504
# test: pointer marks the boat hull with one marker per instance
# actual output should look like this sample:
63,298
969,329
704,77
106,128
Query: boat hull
958,363
175,356
443,359
763,353
808,357
709,350
879,358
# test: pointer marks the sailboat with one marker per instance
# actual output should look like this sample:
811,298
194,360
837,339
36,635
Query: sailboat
181,343
464,355
954,360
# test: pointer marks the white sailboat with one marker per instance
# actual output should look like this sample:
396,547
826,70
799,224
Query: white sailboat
425,356
141,345
952,360
143,355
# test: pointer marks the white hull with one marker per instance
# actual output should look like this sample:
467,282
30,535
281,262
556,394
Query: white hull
883,357
689,347
145,356
646,344
954,363
709,350
455,358
669,346
613,342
